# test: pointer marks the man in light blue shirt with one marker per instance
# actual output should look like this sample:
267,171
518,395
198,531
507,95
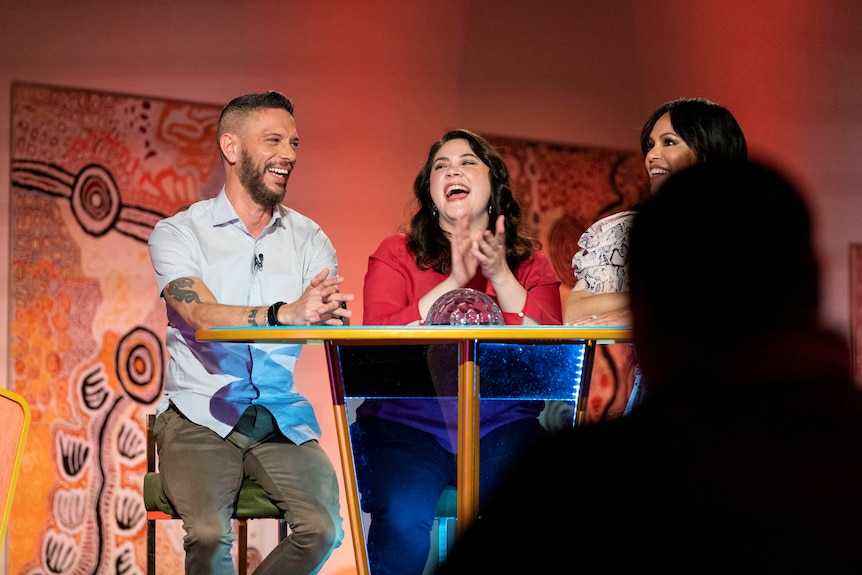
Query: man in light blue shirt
233,410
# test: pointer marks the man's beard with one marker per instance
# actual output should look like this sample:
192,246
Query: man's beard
252,180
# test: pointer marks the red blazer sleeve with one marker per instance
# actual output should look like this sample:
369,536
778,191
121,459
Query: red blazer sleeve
543,292
393,285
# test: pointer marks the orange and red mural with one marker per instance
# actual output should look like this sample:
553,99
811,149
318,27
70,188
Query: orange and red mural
91,173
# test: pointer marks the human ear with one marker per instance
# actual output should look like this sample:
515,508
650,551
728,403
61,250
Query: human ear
230,146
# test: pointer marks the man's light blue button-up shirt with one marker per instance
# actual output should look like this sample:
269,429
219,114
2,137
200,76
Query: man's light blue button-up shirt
212,383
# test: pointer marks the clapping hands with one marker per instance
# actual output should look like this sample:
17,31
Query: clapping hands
474,248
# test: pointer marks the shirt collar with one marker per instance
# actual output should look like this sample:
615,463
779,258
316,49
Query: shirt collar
224,214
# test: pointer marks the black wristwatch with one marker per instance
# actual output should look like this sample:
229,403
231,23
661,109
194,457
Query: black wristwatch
272,314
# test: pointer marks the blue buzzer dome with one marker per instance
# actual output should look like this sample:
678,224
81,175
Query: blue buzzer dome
465,306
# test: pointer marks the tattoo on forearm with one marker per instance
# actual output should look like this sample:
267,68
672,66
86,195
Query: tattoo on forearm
252,317
181,290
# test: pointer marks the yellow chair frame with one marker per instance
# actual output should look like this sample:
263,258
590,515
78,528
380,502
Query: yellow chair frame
15,415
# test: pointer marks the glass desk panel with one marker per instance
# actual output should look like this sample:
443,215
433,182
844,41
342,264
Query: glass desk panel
530,370
507,370
420,383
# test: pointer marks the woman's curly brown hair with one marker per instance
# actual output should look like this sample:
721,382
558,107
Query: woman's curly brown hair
426,239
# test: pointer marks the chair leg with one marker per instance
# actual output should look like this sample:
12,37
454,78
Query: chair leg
242,544
151,547
242,547
442,539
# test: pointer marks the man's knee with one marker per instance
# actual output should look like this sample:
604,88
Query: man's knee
210,534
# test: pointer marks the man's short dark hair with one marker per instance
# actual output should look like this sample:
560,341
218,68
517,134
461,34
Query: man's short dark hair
240,107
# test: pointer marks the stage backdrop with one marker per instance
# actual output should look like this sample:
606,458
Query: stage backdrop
91,173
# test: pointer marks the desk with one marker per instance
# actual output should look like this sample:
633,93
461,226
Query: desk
468,339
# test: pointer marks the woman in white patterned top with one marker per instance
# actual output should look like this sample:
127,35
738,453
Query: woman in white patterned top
678,134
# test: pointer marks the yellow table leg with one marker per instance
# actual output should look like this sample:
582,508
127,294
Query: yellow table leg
350,489
468,436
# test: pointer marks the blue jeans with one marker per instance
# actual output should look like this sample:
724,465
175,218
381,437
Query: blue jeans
402,471
202,474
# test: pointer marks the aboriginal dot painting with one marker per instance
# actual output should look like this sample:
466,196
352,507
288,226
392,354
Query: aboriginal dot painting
91,173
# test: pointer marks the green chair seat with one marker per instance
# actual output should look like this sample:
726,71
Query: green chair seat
252,503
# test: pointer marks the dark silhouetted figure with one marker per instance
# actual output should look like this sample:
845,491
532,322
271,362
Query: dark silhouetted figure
746,455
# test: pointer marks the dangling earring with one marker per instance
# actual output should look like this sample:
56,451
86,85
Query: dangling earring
434,212
489,209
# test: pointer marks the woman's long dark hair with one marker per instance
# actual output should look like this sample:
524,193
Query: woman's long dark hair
426,239
707,127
